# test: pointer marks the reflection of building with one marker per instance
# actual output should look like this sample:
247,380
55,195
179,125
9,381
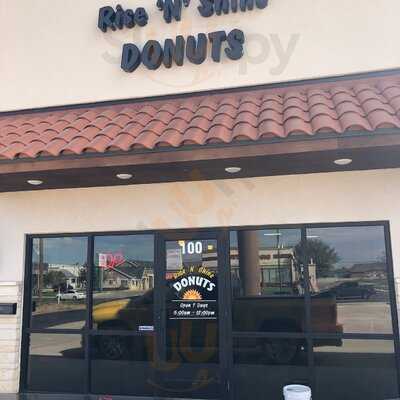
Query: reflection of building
132,275
68,275
71,280
72,274
278,268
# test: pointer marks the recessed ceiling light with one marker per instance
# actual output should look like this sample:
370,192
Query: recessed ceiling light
35,182
233,170
124,177
343,161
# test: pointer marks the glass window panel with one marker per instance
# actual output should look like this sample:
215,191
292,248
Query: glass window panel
123,365
348,269
56,363
263,367
267,281
358,369
59,283
123,282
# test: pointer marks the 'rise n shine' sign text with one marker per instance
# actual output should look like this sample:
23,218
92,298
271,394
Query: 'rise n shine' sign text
176,51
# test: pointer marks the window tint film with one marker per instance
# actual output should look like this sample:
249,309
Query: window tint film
358,369
123,365
56,363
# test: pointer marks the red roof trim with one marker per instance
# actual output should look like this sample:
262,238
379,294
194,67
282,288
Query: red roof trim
337,107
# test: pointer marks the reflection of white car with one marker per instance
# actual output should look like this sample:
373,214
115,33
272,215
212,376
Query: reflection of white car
71,295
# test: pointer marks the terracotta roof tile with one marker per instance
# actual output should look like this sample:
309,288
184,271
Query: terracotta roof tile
194,136
54,147
77,145
352,121
365,104
297,124
382,119
244,131
325,123
123,141
271,127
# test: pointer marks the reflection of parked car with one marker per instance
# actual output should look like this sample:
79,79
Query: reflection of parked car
71,295
353,290
250,314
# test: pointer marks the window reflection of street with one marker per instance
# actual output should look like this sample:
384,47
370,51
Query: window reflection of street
59,283
351,266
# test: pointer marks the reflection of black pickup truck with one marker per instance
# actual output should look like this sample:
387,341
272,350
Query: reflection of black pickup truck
353,290
250,314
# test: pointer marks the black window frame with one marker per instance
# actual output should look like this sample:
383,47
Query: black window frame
87,332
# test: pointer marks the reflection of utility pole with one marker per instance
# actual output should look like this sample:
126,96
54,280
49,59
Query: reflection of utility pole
41,267
278,236
100,278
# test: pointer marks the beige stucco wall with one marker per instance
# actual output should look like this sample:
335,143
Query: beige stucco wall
328,197
53,54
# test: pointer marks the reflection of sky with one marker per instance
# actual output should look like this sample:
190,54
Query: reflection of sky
352,244
73,250
67,250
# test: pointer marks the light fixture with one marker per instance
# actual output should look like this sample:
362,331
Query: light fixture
35,182
343,161
312,236
273,234
233,170
124,177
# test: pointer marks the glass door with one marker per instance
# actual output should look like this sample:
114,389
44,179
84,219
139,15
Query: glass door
191,344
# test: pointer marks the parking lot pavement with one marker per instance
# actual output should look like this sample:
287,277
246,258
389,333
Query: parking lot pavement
365,317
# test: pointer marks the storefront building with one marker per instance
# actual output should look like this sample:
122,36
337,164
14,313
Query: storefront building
199,199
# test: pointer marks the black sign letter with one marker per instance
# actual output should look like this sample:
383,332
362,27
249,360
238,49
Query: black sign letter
235,41
130,57
206,9
216,39
106,18
172,9
141,17
261,4
246,4
221,6
152,54
234,5
129,18
119,17
196,52
174,52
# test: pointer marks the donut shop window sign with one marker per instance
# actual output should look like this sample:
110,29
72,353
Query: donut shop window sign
175,51
192,283
195,294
